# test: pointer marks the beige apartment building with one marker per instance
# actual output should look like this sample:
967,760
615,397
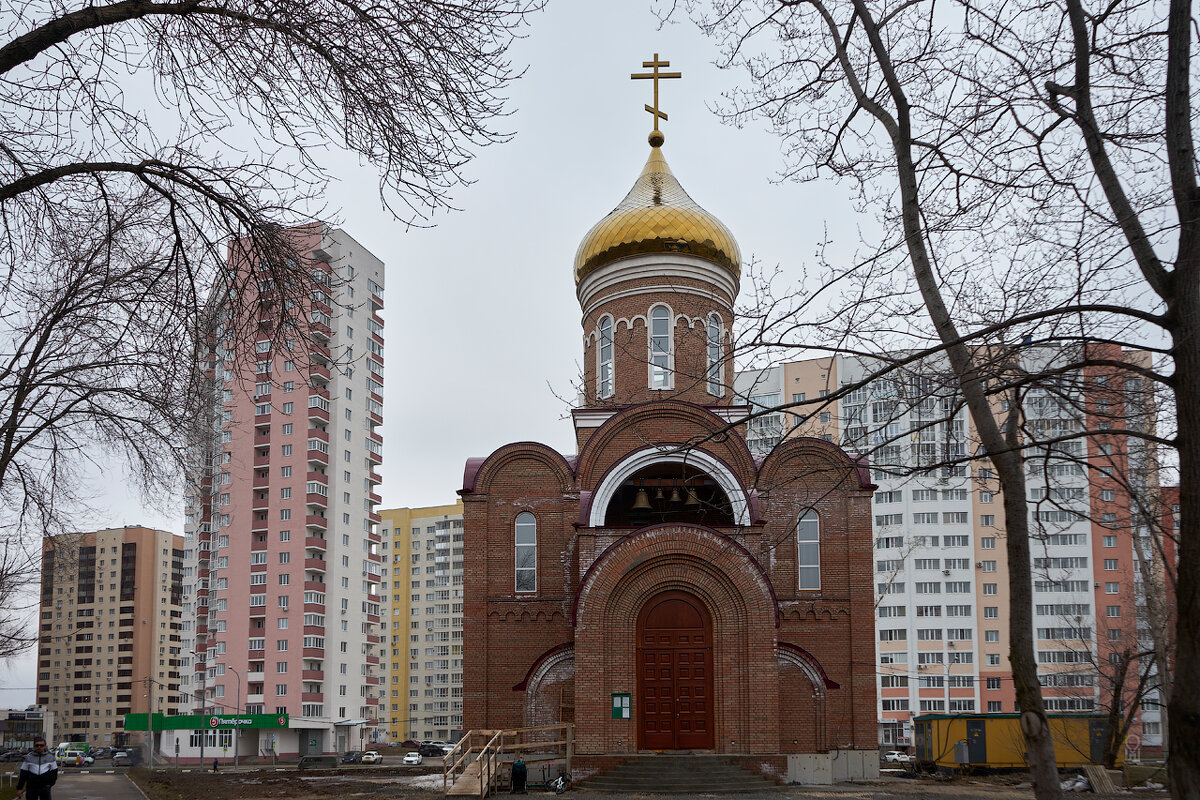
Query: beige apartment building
423,587
109,631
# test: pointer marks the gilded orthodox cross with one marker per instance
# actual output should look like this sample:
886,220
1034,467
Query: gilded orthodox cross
655,76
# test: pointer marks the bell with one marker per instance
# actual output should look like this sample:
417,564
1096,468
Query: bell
675,498
692,500
658,496
641,502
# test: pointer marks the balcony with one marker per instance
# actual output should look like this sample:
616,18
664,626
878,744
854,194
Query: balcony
313,675
314,586
318,374
317,433
262,461
312,697
255,677
314,630
316,543
318,477
317,521
314,652
262,421
254,698
318,564
317,500
318,414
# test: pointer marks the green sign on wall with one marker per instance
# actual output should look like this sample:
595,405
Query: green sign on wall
620,705
191,722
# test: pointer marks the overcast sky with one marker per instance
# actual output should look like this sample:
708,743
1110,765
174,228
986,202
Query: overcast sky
482,323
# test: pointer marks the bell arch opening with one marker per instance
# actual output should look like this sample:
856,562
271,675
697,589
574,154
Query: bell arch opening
668,492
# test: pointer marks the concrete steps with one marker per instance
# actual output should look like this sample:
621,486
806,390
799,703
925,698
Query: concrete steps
679,774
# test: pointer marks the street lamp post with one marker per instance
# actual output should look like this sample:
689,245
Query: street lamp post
237,728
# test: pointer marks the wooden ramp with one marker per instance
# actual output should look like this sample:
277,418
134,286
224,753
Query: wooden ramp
467,782
475,766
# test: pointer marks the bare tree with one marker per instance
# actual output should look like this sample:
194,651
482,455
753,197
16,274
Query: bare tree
147,151
1034,174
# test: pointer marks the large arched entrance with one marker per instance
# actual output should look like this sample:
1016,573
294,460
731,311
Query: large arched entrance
674,658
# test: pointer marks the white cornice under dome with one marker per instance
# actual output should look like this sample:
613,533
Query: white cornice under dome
661,267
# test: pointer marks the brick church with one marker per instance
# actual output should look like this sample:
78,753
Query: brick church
662,588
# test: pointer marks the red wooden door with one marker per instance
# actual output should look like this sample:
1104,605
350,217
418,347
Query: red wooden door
674,656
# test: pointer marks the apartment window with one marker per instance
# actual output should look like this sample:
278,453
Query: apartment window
604,358
285,536
987,542
714,355
1110,541
991,636
285,493
280,689
808,550
925,518
286,450
993,659
991,612
989,588
986,497
525,552
1112,587
994,706
1112,611
1108,495
993,683
660,347
1111,564
287,426
285,513
988,566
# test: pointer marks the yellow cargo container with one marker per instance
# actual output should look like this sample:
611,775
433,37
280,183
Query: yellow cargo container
995,741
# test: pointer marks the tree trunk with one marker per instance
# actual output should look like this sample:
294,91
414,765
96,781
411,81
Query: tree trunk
1183,713
1114,731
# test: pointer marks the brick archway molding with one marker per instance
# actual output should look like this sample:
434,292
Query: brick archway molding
716,469
722,574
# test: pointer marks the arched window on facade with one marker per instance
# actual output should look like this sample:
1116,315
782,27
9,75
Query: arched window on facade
604,358
661,346
525,553
808,549
715,386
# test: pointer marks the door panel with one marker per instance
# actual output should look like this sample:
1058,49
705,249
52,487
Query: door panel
675,674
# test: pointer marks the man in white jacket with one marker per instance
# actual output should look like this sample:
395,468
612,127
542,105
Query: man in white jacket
39,771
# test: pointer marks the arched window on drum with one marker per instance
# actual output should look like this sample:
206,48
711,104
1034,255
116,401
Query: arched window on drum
808,550
661,347
525,553
713,345
604,358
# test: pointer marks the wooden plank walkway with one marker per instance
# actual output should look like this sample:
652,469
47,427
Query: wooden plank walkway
468,782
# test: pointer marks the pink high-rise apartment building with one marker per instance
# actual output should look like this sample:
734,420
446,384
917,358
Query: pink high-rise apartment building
282,539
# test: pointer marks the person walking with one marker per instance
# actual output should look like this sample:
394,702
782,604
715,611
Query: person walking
39,771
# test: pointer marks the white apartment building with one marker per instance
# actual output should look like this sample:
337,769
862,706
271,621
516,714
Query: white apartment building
941,566
282,539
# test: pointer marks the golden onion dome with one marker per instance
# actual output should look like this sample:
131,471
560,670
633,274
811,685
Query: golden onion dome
657,216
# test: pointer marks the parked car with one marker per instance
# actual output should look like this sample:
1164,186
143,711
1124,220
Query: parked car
352,757
121,758
102,752
409,743
428,750
412,759
897,757
78,758
318,762
12,755
371,757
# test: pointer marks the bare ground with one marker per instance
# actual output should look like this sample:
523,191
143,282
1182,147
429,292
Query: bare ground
413,785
